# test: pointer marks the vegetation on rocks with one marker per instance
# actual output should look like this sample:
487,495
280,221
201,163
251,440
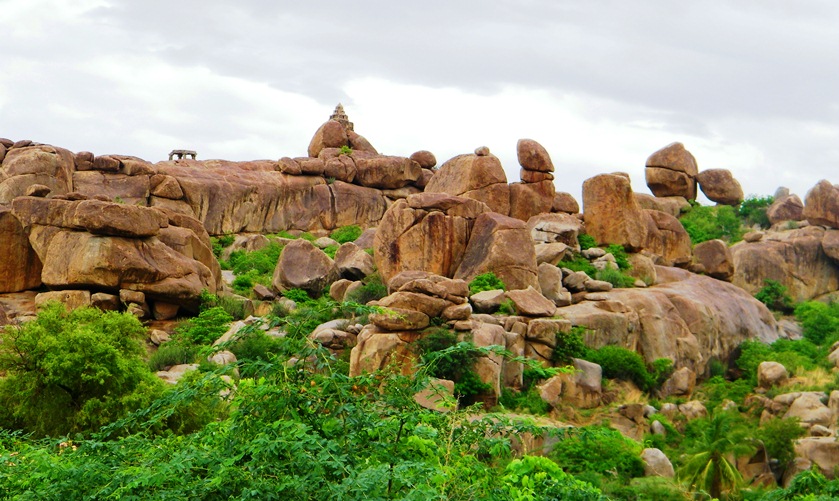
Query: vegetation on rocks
346,234
486,282
774,295
753,211
704,223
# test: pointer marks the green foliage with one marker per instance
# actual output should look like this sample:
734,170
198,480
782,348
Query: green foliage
507,307
346,234
208,326
578,263
620,363
299,296
172,353
73,372
486,282
809,485
220,243
255,267
599,450
753,210
345,150
792,354
372,290
538,478
449,359
586,241
778,436
254,348
617,278
819,321
528,400
717,389
774,295
705,223
619,253
330,250
710,442
569,345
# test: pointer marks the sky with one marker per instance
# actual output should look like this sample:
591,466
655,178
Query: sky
747,85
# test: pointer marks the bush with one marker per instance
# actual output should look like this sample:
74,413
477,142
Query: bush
615,277
753,211
819,321
233,306
778,436
578,263
620,363
619,253
774,295
704,223
528,400
599,450
172,353
346,234
717,389
449,359
372,290
486,282
330,250
569,345
255,267
586,241
69,372
208,326
299,296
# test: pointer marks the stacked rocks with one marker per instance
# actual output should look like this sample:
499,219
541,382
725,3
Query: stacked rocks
672,171
536,192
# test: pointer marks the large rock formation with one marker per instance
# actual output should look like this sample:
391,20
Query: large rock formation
821,205
479,177
20,267
611,213
720,186
25,166
672,171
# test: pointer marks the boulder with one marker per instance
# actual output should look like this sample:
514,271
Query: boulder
489,367
787,208
680,383
693,409
771,374
672,171
329,135
304,266
487,301
667,239
480,178
42,164
428,232
671,205
530,302
94,216
353,262
130,190
20,267
611,213
720,186
500,245
164,186
429,305
716,258
656,464
822,452
454,290
385,172
821,205
550,283
565,202
530,199
558,227
360,143
437,396
533,156
810,410
795,258
71,299
399,319
424,158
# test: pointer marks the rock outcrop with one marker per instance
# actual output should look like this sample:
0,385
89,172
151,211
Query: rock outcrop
672,171
479,177
720,186
821,205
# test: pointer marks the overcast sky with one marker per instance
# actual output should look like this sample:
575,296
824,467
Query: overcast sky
747,85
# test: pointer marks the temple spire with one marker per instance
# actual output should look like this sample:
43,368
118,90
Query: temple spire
339,116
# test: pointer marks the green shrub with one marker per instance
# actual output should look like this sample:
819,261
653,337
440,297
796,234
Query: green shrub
618,279
717,389
620,363
753,211
299,296
536,477
208,326
819,321
254,346
752,353
774,295
507,307
578,263
330,250
569,345
485,282
345,150
233,306
346,234
172,353
599,450
71,372
778,436
586,241
704,223
372,289
449,359
619,253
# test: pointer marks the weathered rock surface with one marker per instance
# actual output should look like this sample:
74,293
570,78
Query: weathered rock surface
565,202
304,266
530,199
20,267
656,464
611,213
820,451
720,186
787,208
500,245
795,258
715,256
352,262
821,205
771,374
667,239
329,135
533,156
671,171
685,317
480,178
43,164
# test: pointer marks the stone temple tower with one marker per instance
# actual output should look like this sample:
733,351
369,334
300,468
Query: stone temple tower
339,116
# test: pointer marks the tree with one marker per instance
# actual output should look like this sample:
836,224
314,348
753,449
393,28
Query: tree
73,372
717,439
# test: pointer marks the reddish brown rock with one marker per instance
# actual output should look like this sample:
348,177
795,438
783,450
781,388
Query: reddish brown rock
551,228
788,208
341,168
304,266
671,205
424,158
329,135
106,163
289,166
821,205
530,199
399,319
20,268
716,258
102,218
611,213
530,302
533,156
477,177
427,232
532,176
130,190
500,245
671,171
667,239
165,186
565,202
83,160
386,172
44,164
360,143
720,186
352,262
38,190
